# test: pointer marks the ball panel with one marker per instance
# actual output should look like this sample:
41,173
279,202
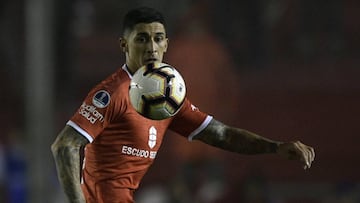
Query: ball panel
159,112
178,93
158,85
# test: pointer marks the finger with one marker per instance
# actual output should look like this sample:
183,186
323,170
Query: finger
308,156
312,154
304,154
309,161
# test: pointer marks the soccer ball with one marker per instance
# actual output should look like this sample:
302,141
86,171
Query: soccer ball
157,91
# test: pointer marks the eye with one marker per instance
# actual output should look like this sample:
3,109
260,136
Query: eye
159,39
141,39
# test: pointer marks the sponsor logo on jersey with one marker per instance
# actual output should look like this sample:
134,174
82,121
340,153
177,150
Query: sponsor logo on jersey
101,99
152,137
142,153
90,113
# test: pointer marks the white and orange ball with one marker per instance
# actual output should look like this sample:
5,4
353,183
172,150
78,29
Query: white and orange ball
157,91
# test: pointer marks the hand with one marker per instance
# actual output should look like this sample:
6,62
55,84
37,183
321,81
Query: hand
297,151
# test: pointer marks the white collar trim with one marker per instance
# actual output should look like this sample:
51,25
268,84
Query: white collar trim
126,69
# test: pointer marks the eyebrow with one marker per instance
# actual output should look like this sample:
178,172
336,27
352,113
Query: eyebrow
145,33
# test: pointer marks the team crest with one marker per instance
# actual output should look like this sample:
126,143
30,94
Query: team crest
152,137
101,99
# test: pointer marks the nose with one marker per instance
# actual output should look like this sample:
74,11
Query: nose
152,46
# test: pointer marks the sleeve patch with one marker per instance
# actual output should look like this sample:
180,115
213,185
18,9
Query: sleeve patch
101,99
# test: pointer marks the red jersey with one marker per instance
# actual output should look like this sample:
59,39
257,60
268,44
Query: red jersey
123,144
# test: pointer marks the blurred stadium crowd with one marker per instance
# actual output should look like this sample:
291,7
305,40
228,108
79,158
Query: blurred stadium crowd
285,69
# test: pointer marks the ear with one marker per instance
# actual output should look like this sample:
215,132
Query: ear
166,45
123,44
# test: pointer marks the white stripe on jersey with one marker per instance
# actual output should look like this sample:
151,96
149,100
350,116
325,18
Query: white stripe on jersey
200,128
80,130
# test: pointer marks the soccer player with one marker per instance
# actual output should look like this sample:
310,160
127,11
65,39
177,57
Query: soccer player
106,147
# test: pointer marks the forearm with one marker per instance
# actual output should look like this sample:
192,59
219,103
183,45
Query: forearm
67,150
246,142
68,161
236,140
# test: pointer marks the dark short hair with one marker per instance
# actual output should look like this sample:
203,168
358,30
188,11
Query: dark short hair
141,15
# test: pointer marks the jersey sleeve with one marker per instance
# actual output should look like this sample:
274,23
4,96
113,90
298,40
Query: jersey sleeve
189,121
94,114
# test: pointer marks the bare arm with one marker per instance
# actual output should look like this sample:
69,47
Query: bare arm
245,142
66,151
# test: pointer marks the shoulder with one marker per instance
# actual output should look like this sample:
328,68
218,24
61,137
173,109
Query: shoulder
115,84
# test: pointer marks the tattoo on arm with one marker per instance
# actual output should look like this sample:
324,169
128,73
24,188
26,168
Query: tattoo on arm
236,140
67,151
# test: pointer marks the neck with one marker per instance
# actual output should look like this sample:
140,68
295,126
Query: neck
129,69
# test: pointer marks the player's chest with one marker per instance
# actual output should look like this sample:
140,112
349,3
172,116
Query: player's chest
133,130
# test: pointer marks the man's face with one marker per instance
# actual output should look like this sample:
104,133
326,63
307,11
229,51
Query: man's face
145,44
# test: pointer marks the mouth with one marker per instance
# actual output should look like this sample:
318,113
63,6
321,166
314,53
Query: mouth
151,60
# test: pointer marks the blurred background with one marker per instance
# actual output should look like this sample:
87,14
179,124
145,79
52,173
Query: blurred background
287,70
